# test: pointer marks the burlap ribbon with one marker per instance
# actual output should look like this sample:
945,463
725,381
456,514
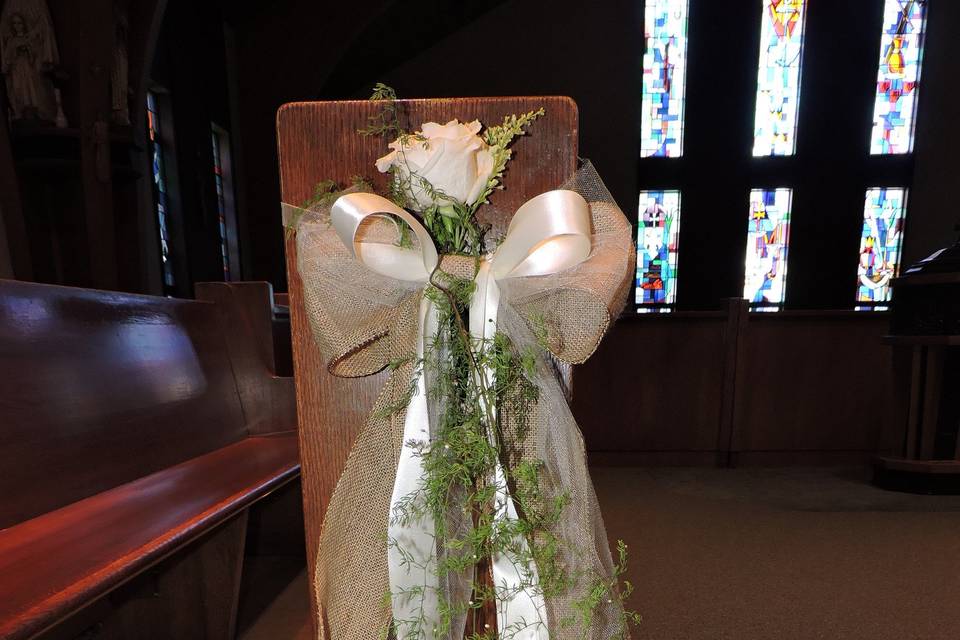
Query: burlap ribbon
565,264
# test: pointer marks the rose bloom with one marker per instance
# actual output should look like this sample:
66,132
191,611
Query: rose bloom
451,157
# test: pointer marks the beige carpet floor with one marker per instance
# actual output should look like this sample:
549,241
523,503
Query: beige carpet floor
762,554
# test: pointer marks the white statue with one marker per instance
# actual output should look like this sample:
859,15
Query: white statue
28,53
120,72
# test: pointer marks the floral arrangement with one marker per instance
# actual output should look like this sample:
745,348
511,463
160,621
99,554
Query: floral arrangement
476,529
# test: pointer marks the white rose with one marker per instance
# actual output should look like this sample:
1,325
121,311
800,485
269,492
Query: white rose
451,157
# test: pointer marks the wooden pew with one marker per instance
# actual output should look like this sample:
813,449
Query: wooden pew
132,431
319,141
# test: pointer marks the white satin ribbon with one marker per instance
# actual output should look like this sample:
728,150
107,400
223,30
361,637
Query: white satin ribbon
548,234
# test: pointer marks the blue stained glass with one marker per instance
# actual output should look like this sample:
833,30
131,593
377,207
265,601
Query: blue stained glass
898,78
880,242
160,186
658,233
778,77
221,203
768,238
664,77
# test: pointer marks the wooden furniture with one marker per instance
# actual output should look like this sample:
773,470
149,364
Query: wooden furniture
319,141
925,327
130,429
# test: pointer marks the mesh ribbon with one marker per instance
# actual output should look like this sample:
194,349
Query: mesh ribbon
362,321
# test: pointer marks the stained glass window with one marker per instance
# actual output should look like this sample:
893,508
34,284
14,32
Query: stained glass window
159,186
901,50
221,203
768,238
880,242
664,77
657,238
778,77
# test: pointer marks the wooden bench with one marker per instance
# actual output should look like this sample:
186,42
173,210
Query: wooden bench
319,141
134,430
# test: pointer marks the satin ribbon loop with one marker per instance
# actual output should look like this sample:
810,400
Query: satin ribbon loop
548,234
347,216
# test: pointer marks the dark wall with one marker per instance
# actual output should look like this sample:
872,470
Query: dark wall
933,210
516,48
592,53
304,50
284,52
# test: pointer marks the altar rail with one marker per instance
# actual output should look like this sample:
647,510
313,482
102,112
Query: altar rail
733,387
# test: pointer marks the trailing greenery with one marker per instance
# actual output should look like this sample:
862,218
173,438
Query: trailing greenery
386,121
460,471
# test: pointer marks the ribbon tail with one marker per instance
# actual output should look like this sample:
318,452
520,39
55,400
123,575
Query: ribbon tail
521,612
411,541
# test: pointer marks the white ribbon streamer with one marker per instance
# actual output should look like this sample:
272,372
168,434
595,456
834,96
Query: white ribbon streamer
548,234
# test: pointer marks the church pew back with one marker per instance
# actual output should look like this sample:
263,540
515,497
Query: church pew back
319,141
101,388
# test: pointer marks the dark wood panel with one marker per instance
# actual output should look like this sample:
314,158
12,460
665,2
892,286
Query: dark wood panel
53,564
192,594
319,141
803,387
102,388
246,315
814,382
654,384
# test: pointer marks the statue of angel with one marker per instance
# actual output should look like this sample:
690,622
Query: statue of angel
28,55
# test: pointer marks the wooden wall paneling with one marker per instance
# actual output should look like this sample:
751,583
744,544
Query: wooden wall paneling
735,387
246,315
653,390
319,141
814,385
738,313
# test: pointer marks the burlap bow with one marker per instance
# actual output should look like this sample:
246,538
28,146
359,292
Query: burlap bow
566,261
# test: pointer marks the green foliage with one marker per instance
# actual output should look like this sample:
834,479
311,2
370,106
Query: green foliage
499,138
455,229
602,589
466,448
386,122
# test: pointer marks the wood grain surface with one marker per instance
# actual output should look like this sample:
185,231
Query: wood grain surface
246,314
53,564
103,388
319,141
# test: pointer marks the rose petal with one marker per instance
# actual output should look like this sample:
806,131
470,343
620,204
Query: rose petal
484,171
